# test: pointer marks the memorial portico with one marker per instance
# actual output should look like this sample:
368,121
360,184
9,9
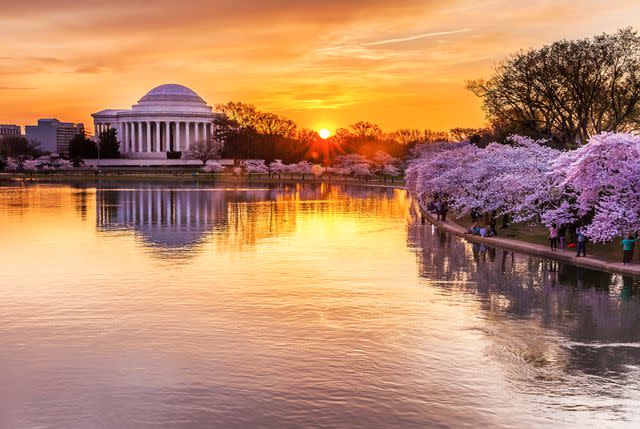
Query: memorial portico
169,118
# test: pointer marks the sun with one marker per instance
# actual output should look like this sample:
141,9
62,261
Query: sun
324,133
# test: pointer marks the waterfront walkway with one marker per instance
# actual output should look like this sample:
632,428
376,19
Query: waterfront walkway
568,256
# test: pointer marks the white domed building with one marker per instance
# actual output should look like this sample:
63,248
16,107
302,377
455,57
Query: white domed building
169,118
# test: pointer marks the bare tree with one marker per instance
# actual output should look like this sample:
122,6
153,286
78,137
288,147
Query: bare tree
242,114
205,150
307,137
271,124
569,90
366,130
461,134
406,136
435,136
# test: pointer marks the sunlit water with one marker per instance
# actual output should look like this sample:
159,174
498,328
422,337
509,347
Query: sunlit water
173,306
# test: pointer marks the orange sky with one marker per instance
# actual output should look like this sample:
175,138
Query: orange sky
400,63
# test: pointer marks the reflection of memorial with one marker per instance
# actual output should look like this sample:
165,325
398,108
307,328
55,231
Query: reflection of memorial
587,309
163,217
183,217
175,217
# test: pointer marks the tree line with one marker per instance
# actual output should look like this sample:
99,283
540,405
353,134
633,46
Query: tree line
249,133
596,186
565,92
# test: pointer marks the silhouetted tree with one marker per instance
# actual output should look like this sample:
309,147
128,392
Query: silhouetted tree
567,91
19,148
81,147
205,150
108,143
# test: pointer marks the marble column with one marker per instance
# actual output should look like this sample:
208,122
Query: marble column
187,143
158,136
123,137
148,136
177,143
139,136
167,145
129,137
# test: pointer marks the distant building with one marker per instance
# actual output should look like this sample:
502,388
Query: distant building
7,130
54,136
168,118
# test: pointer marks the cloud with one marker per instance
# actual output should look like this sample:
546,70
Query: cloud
90,69
369,59
15,88
416,37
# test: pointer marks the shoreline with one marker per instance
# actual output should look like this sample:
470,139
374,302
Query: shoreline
202,177
449,226
567,256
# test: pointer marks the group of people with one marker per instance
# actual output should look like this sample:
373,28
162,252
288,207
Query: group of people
557,233
488,230
558,239
439,206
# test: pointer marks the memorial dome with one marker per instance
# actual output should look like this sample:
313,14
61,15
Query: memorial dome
172,92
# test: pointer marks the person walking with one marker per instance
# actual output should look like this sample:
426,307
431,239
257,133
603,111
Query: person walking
582,242
444,209
438,208
562,237
492,225
553,237
627,249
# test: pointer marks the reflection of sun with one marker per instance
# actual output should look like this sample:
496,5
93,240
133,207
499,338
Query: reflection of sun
324,133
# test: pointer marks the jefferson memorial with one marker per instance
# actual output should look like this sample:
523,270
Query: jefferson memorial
169,118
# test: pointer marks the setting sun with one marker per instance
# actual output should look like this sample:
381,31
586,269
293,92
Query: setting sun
324,133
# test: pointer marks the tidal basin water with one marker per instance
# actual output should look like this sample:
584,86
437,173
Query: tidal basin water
140,305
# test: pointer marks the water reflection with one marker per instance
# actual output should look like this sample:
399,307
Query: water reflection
177,217
596,315
164,217
293,306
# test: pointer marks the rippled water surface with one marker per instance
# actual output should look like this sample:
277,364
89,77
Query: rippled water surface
183,306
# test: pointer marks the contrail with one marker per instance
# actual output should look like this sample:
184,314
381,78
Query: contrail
417,36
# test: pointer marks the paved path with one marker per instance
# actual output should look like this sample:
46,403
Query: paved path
568,256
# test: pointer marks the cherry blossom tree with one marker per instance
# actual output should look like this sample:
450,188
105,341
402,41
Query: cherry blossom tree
382,162
256,166
600,183
62,165
499,179
303,168
596,185
361,170
317,170
212,167
277,167
348,161
382,158
11,164
391,171
31,165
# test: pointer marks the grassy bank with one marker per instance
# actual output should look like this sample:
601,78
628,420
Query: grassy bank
539,234
166,176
